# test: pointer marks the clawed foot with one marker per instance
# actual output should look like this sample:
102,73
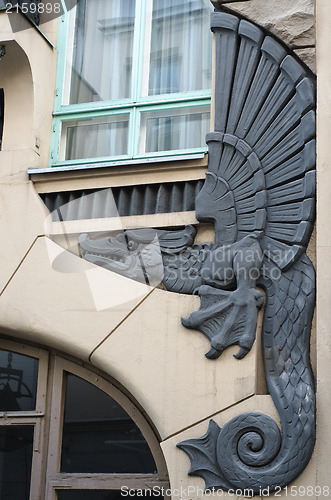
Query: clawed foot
227,318
215,353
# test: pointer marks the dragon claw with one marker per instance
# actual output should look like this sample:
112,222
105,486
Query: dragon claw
213,353
241,353
186,322
227,318
259,297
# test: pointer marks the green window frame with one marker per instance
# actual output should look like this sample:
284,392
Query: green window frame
137,107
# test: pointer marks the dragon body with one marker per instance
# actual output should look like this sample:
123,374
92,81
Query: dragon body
259,193
249,452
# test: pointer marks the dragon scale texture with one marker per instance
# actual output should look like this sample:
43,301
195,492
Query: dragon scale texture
286,331
260,181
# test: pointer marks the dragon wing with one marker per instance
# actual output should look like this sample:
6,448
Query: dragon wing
262,154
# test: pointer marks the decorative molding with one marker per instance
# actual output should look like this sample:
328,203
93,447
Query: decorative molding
119,174
125,201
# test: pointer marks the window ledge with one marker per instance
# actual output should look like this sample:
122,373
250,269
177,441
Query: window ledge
119,163
124,173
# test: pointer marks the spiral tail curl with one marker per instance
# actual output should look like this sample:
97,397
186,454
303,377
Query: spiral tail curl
246,447
250,439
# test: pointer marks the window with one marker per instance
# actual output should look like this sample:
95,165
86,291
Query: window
23,375
67,433
2,115
134,80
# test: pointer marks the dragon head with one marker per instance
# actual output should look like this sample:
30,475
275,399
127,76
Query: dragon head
133,254
215,203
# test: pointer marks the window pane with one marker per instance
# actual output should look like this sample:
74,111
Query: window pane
15,462
18,382
180,56
100,495
96,137
101,51
98,435
174,129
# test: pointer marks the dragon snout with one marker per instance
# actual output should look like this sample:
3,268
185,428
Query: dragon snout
81,242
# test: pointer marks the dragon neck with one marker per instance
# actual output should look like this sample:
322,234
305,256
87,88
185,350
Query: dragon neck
224,235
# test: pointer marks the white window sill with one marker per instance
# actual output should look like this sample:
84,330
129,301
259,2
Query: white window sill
138,161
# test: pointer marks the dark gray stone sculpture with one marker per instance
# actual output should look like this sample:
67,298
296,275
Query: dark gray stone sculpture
259,193
261,177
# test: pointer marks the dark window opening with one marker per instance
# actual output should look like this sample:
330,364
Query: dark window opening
16,444
2,114
18,381
99,436
104,495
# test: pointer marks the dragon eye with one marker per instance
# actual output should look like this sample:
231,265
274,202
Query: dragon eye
132,245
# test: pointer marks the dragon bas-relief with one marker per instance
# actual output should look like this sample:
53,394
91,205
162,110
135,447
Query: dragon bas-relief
259,193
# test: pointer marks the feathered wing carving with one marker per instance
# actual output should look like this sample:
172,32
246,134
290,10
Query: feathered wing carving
261,181
264,145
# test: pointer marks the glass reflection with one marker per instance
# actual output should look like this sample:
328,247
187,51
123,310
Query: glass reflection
180,58
18,381
102,47
16,444
96,137
174,129
98,435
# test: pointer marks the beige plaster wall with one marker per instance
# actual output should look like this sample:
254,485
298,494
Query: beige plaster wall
133,333
27,75
21,222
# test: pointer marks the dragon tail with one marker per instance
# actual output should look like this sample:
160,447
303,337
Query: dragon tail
249,451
